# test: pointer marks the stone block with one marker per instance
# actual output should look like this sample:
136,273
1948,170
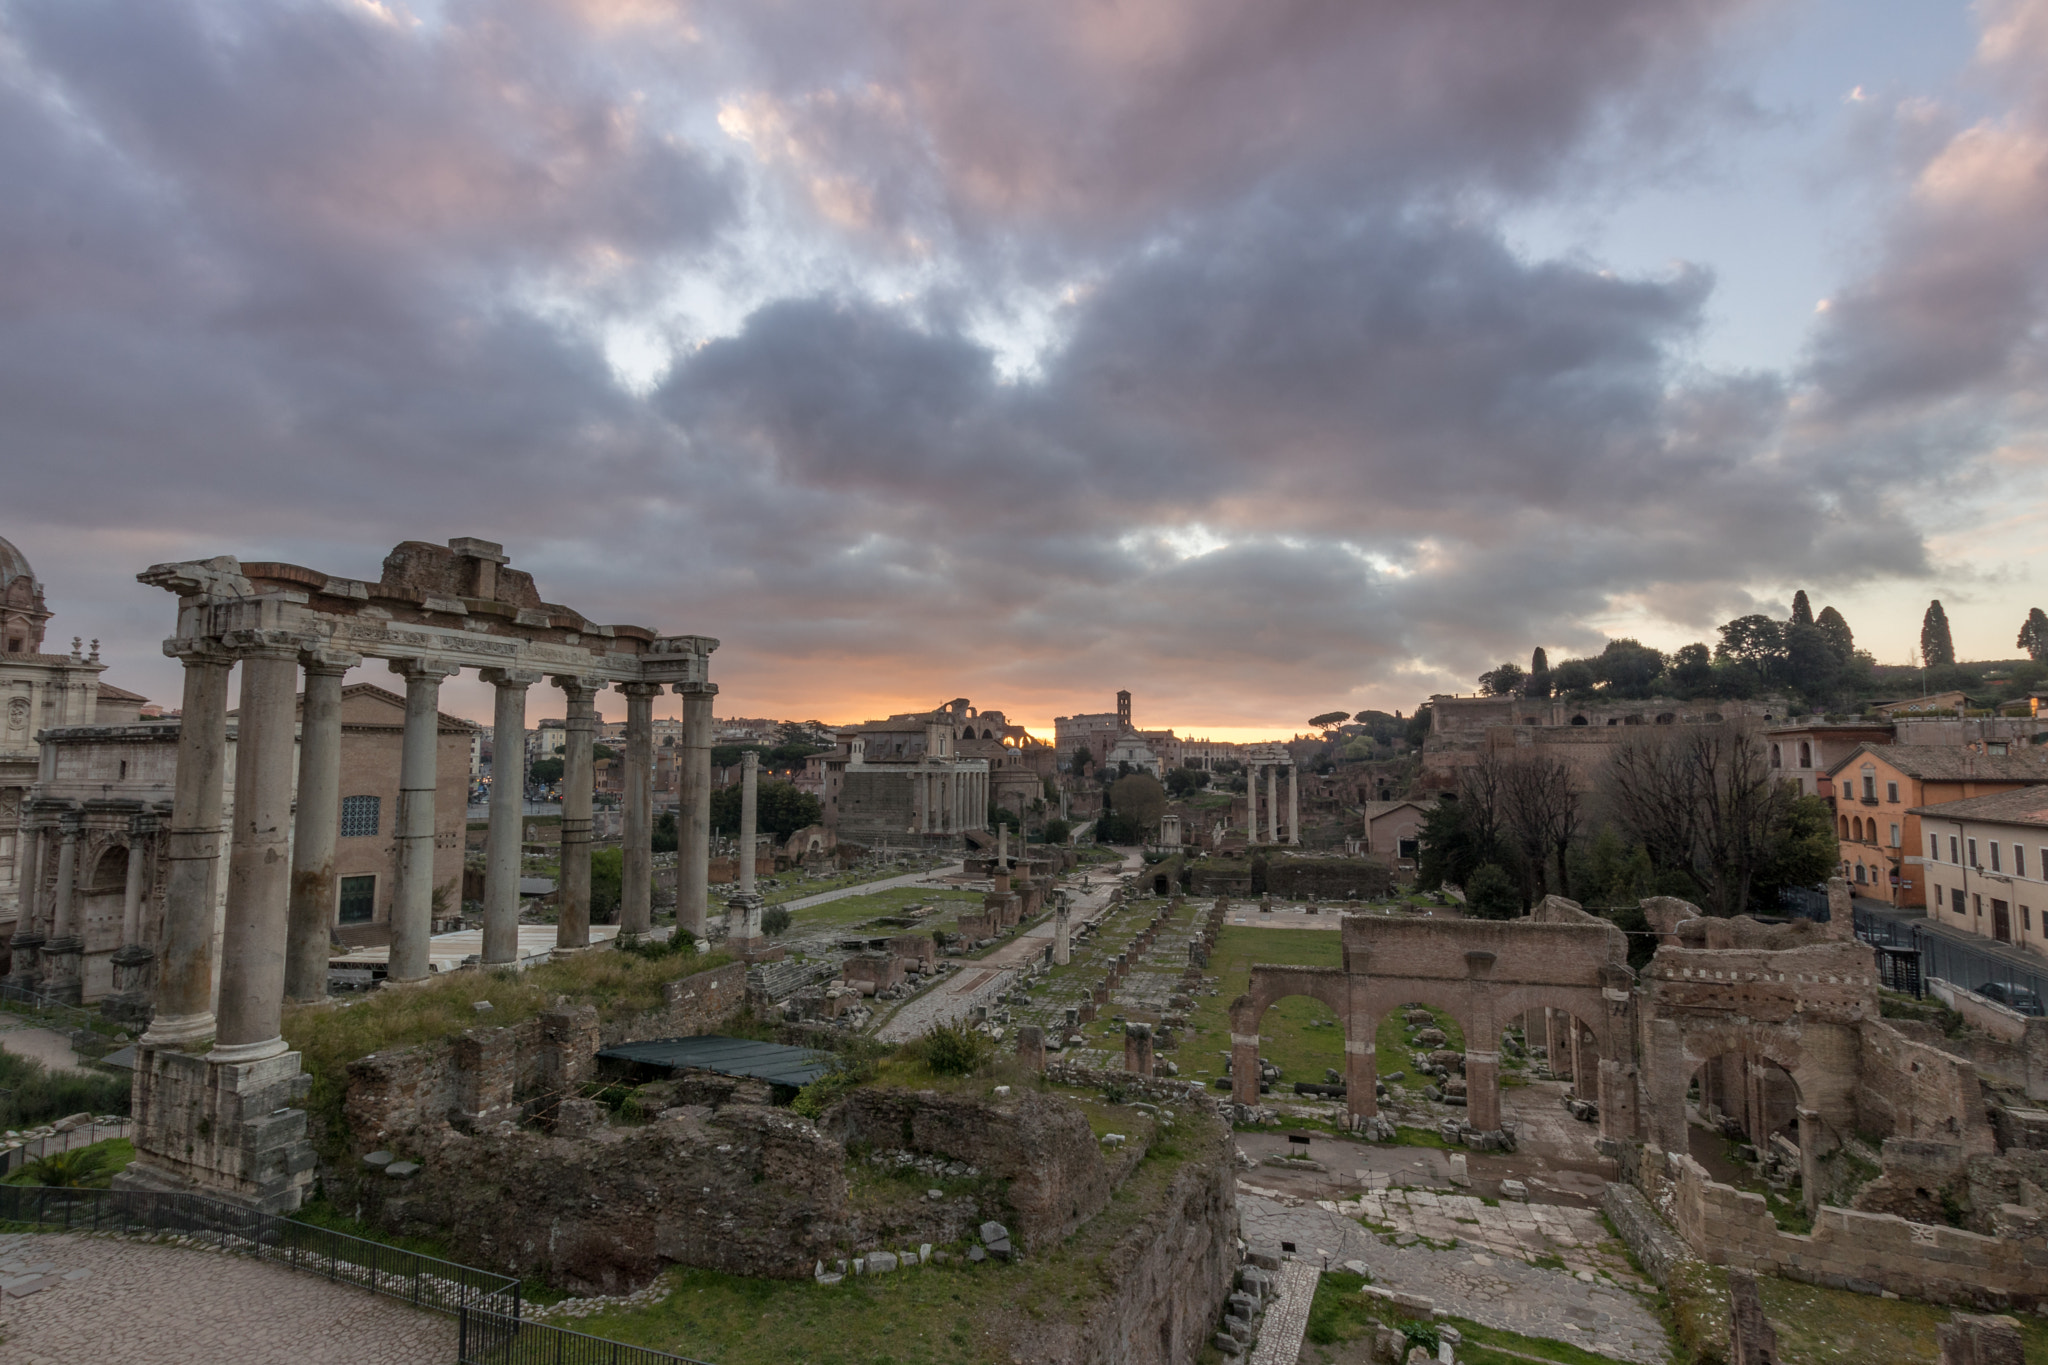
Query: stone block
880,1262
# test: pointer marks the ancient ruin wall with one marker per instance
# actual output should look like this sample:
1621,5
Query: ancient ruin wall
1914,1090
1849,1249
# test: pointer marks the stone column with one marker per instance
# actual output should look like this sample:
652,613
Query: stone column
1809,1158
317,827
636,903
1272,803
1294,803
572,899
412,906
1361,1066
1062,936
1251,804
29,937
693,810
184,992
508,805
1244,1066
259,876
1138,1049
65,948
140,827
750,788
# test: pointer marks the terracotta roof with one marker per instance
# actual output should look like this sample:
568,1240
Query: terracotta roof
109,692
2024,806
1954,763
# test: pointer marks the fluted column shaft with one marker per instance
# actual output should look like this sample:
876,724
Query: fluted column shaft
259,871
184,991
693,814
64,898
1272,803
1293,803
316,828
508,795
636,908
139,829
750,789
572,900
412,907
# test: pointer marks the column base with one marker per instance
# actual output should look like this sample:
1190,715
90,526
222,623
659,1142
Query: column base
226,1130
25,970
178,1030
62,959
132,1003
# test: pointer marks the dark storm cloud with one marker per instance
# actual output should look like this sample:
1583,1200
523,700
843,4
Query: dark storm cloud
301,280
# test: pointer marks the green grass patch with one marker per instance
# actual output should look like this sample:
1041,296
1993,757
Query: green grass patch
849,911
330,1036
99,1163
1340,1314
1821,1326
32,1094
1301,1052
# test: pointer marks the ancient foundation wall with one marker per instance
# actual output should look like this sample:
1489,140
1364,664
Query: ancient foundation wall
1866,1252
1914,1090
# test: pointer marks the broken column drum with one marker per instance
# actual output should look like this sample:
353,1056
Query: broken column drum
216,1086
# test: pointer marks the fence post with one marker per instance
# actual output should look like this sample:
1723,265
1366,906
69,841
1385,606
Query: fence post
462,1335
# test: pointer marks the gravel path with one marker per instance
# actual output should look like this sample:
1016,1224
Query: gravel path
1485,1286
111,1301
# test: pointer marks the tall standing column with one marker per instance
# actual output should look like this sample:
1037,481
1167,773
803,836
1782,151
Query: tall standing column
508,798
64,950
259,873
1272,803
750,767
412,908
693,815
317,827
1293,803
184,992
636,905
140,827
579,731
29,937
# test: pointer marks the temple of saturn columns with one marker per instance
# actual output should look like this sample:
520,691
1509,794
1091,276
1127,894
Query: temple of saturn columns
215,1083
1265,761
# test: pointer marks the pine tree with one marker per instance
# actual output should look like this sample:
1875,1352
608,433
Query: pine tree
1802,610
2033,636
1937,648
1840,638
1538,684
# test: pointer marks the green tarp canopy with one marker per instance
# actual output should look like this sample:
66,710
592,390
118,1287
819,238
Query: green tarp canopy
774,1062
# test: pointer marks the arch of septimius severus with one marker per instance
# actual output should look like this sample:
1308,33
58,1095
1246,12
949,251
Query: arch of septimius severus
216,1084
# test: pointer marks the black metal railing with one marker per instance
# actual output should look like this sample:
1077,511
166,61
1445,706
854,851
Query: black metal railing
1943,955
487,1338
422,1281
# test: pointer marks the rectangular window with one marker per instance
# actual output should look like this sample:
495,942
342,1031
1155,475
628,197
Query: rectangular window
2026,919
1895,836
1891,792
2019,860
1973,853
359,816
358,897
1994,857
1870,789
1957,903
1977,905
1953,856
1933,849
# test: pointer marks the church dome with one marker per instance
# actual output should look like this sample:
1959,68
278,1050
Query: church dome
13,564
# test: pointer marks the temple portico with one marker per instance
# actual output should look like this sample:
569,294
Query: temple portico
1262,825
215,1081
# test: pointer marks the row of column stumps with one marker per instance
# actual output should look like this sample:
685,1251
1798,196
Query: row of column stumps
1272,809
266,958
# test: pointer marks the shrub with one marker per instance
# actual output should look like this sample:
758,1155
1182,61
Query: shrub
1491,894
954,1049
775,921
77,1169
32,1094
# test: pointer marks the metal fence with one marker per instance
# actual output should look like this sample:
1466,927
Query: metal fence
487,1338
25,1000
1941,955
422,1281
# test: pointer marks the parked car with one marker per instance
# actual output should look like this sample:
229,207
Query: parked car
2017,998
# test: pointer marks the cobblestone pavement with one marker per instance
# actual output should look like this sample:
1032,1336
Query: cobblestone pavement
72,1298
1287,1320
1489,1287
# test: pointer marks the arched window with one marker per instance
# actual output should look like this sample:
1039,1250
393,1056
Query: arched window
1667,718
1856,829
1860,878
1845,827
1805,754
1578,720
1775,761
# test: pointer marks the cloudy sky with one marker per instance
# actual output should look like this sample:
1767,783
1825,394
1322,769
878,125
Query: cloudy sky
1264,358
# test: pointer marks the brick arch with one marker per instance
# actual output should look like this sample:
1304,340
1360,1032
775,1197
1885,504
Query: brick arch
1333,987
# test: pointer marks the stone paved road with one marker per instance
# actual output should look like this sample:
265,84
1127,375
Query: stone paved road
1287,1320
1489,1288
868,888
116,1302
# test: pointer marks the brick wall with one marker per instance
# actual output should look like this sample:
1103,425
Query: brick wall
1848,1249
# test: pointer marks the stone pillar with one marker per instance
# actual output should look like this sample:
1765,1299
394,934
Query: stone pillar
1031,1047
184,992
750,779
1841,910
1809,1158
1482,1089
1750,1338
1002,848
317,826
693,811
412,904
1361,1070
28,940
1244,1067
253,940
1138,1049
1062,939
508,805
140,828
1294,803
1251,804
572,898
636,902
64,950
1980,1339
130,1001
1272,803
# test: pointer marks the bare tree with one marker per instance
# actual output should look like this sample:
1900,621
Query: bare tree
1542,813
1701,799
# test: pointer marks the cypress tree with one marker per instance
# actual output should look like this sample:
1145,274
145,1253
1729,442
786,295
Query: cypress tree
1538,684
1840,638
1802,610
1936,645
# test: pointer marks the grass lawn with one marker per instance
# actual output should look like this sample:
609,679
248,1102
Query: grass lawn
1819,1326
848,911
1340,1315
1301,1049
956,1314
